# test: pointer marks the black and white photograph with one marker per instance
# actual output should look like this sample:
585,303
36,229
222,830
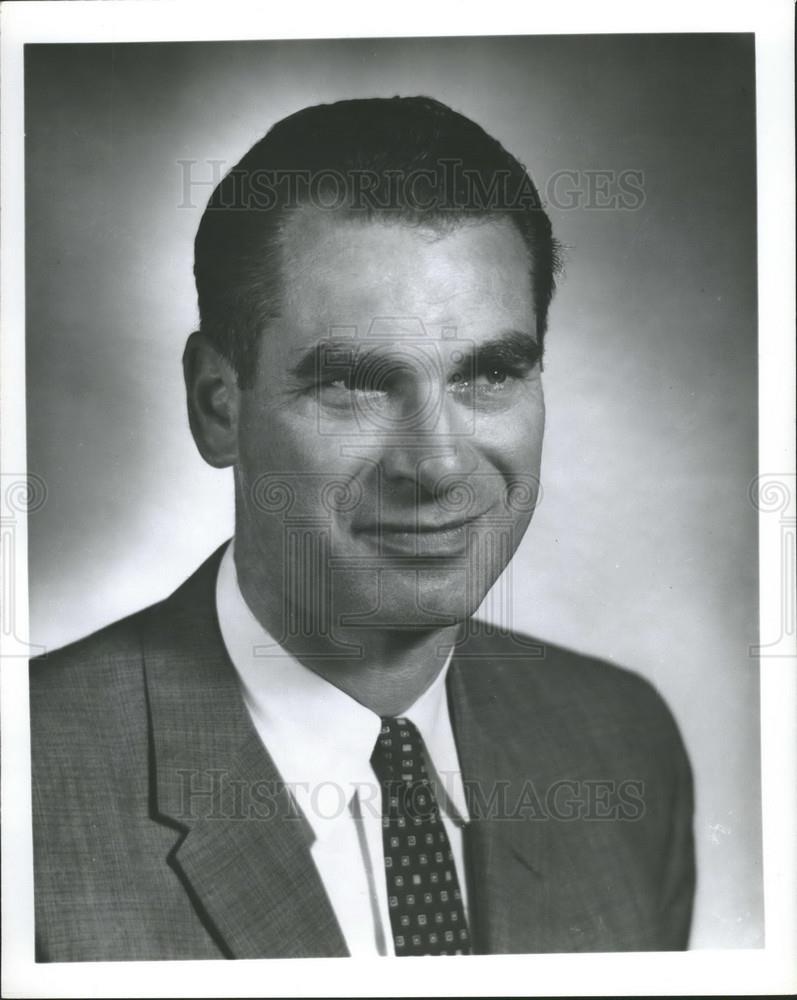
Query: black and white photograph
397,535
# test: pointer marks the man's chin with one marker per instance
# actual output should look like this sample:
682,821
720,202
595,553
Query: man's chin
413,599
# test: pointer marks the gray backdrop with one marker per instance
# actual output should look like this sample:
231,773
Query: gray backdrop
643,549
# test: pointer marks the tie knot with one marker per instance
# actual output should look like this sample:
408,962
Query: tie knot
399,752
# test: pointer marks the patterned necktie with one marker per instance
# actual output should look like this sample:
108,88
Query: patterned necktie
425,903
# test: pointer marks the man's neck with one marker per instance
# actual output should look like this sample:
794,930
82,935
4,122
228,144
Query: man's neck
393,669
385,669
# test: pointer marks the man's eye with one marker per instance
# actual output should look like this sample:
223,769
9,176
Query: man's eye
491,378
495,376
347,384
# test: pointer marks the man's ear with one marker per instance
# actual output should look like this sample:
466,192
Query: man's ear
213,398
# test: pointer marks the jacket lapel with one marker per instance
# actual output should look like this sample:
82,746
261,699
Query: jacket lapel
242,850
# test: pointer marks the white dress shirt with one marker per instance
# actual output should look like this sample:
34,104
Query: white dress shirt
321,741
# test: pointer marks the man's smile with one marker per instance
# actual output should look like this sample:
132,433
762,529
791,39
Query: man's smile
421,537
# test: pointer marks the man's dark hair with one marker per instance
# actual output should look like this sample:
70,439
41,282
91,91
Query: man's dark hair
407,159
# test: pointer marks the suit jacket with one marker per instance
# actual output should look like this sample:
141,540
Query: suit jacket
161,830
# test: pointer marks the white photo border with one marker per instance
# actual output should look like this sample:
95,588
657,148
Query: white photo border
772,969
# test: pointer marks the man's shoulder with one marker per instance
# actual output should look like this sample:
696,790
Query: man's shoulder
516,658
84,681
528,682
113,655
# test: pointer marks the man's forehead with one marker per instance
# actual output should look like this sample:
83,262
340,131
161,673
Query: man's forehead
344,277
311,234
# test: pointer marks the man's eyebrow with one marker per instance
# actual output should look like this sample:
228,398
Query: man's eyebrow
326,353
512,347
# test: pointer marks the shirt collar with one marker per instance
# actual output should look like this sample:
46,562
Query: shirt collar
319,738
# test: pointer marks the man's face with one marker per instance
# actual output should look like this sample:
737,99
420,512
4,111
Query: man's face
389,450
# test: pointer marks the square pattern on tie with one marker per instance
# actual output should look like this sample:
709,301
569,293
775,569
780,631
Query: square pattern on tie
424,899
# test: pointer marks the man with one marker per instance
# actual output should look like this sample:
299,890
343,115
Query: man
312,748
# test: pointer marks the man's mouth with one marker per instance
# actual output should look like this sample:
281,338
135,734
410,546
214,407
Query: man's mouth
420,538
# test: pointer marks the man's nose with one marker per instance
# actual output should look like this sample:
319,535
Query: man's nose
435,446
